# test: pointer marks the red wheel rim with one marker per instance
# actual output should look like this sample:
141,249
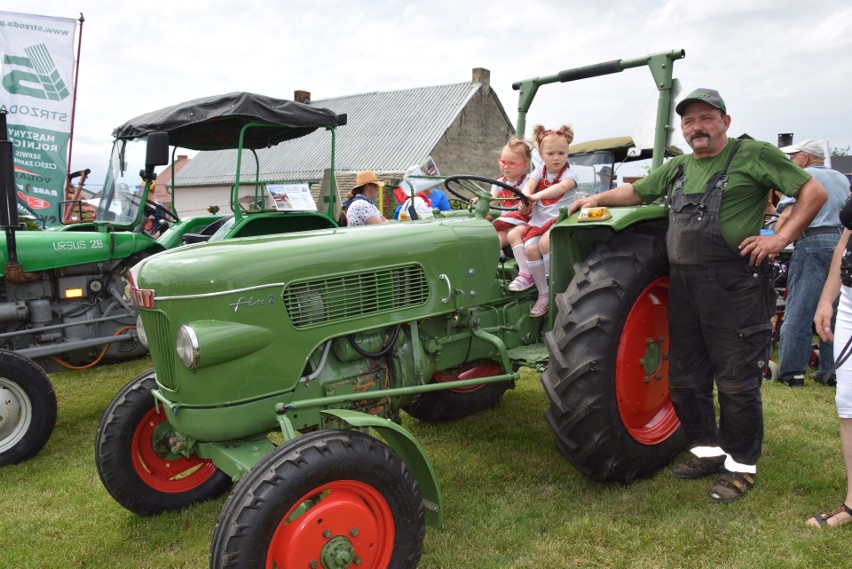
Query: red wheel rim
346,520
642,368
475,372
171,474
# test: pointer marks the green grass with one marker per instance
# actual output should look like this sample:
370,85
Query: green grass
511,500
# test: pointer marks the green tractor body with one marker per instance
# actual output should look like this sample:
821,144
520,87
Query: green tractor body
276,356
294,295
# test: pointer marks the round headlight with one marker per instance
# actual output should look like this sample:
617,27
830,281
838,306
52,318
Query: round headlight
186,345
140,332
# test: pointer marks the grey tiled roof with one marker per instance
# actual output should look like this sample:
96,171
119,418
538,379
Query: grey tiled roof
386,132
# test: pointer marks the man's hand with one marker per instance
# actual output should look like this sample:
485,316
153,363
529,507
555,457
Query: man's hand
588,201
759,247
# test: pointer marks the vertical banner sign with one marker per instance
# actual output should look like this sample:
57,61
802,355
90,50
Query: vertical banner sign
36,90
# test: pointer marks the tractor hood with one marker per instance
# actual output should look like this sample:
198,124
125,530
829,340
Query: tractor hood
45,250
431,248
215,123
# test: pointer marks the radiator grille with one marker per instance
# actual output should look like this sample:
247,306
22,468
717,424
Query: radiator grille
157,329
324,301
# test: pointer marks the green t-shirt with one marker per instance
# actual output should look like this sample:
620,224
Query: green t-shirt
757,167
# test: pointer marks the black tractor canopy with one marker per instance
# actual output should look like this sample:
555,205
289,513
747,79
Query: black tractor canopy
215,122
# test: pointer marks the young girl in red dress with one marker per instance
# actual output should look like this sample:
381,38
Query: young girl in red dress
514,165
549,189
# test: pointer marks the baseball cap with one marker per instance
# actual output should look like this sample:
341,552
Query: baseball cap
709,96
810,146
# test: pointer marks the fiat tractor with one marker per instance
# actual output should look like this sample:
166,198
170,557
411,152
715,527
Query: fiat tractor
282,365
63,298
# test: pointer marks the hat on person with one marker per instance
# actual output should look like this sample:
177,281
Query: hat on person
709,96
367,177
809,146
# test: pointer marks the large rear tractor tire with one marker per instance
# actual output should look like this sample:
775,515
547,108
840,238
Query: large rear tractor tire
27,408
455,404
135,462
325,499
608,376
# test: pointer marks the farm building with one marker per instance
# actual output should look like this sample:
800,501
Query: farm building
460,127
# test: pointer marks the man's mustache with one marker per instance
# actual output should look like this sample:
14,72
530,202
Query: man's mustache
699,134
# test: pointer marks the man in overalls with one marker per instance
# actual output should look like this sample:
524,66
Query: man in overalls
721,295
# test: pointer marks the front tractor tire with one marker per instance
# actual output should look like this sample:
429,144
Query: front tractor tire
27,408
135,463
608,376
325,499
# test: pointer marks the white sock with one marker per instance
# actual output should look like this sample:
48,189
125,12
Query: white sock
539,276
546,259
521,258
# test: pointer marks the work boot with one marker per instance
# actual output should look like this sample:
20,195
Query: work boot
697,467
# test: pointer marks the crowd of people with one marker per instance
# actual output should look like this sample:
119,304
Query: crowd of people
716,198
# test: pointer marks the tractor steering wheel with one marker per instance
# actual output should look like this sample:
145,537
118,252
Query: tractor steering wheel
152,207
473,184
164,212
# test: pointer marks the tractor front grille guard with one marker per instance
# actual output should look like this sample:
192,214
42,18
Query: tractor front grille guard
324,301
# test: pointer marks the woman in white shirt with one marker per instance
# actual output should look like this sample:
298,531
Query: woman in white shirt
360,209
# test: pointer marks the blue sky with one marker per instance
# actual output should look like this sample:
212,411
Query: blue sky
782,66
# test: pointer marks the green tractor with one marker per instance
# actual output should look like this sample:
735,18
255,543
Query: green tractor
282,363
63,298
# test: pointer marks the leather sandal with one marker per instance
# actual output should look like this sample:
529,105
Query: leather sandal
822,519
697,467
730,487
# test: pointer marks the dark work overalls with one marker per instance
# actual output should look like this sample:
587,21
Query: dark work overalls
719,325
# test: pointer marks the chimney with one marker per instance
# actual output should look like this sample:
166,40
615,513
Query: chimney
482,76
302,97
182,157
785,139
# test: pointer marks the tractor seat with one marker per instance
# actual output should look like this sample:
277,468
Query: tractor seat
205,233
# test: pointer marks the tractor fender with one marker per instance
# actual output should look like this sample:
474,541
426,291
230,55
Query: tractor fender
411,452
622,217
572,240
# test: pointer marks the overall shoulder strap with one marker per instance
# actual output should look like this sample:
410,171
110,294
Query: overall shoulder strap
719,179
731,156
675,183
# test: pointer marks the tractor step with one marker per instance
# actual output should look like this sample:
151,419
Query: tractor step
532,355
